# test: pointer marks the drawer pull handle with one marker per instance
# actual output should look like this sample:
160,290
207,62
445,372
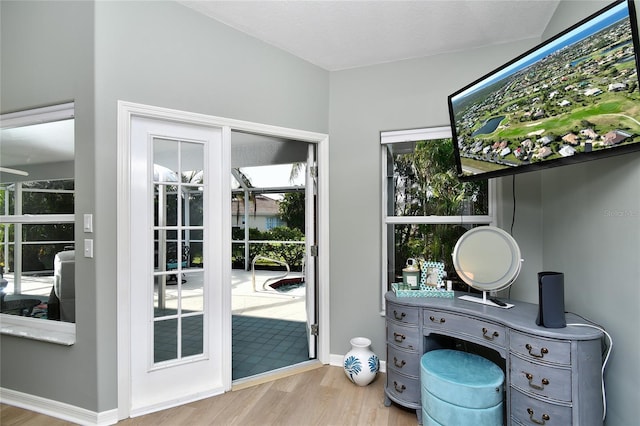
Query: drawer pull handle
398,364
544,382
542,353
398,337
493,335
399,389
399,317
441,320
545,417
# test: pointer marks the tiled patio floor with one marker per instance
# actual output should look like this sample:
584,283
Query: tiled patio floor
269,327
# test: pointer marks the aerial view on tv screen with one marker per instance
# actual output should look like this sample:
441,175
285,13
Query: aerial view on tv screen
573,96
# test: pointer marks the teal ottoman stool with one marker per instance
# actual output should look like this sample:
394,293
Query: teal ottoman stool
460,388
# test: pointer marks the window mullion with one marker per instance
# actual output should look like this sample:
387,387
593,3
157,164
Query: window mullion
38,218
448,220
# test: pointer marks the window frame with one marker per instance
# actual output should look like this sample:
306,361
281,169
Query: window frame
415,135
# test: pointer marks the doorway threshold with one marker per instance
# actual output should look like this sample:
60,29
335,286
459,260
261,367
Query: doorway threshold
272,375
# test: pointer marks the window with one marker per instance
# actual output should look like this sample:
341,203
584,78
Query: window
426,208
274,222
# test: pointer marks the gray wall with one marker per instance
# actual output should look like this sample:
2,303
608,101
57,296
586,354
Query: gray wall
591,232
157,53
163,54
400,95
47,58
583,220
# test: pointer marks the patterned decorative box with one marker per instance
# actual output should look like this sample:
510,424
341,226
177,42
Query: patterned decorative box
421,293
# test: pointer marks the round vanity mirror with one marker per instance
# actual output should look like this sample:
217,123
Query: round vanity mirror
487,258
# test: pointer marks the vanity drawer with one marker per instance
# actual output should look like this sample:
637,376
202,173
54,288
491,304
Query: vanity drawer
403,336
403,387
541,349
543,380
532,411
402,314
482,331
403,361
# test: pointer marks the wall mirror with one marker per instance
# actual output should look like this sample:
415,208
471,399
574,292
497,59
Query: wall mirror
487,259
37,213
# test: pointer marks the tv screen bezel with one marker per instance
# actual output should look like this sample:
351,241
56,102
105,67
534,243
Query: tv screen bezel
540,165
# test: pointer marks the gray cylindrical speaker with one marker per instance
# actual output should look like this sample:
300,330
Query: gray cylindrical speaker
551,300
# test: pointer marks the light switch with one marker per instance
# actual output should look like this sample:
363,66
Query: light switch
88,248
88,223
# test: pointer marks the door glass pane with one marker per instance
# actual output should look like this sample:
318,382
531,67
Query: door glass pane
165,303
195,244
165,160
165,342
171,206
173,256
192,292
192,156
192,335
194,206
178,240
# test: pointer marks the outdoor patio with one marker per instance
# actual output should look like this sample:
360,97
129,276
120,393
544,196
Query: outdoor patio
269,303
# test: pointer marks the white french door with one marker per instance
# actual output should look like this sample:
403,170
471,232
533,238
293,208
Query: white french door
311,250
176,263
174,304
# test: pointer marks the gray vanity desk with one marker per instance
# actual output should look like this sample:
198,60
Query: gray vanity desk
552,375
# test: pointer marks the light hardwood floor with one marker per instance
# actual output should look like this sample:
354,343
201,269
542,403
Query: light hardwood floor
321,396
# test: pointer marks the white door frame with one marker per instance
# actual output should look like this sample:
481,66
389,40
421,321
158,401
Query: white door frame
127,110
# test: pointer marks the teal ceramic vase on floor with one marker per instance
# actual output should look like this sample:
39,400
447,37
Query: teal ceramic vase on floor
360,364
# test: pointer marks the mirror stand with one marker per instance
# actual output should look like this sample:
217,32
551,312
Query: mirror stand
486,301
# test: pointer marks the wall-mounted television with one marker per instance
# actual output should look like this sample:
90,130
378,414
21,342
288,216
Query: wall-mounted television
573,98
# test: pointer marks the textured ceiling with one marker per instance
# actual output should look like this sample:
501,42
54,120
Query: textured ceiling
338,35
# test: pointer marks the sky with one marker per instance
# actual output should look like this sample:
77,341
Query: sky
580,32
272,176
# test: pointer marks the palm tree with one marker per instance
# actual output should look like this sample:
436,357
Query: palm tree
245,183
431,188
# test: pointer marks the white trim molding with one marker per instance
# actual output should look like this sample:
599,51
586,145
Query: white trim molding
61,333
57,409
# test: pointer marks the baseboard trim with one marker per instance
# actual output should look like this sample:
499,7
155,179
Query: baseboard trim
338,360
57,409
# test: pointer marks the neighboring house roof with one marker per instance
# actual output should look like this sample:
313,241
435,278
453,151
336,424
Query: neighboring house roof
617,87
265,206
615,137
567,151
590,133
545,140
543,152
570,138
592,91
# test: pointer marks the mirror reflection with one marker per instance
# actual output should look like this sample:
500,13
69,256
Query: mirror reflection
37,262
